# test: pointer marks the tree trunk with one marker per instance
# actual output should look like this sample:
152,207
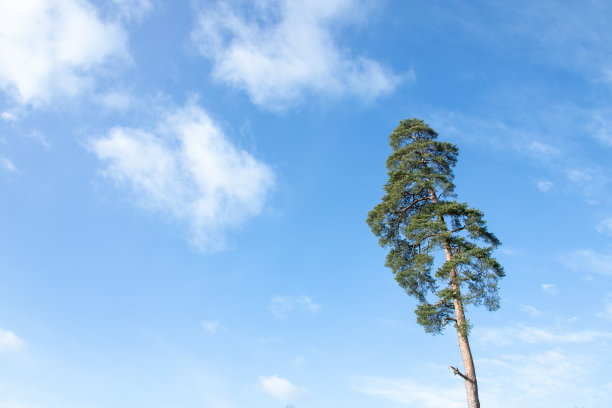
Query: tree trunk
471,386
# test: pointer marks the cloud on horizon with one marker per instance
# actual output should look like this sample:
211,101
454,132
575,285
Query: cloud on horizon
410,392
281,388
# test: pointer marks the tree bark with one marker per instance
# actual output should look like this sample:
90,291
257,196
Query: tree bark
471,385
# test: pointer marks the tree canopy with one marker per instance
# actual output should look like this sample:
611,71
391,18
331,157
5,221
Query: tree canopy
418,218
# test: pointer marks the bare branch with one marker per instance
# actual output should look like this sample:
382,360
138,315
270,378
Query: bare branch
460,374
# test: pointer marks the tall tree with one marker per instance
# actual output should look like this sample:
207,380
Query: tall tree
418,219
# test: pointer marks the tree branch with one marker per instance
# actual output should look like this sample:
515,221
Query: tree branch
460,374
403,210
457,229
425,237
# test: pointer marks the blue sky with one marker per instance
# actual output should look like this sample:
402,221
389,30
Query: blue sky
184,189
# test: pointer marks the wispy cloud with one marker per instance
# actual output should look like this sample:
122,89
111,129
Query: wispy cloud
7,164
593,182
533,311
9,116
213,327
553,33
282,389
283,50
589,261
51,48
544,185
548,378
281,306
9,342
412,393
116,100
549,288
531,139
38,137
533,376
607,309
134,9
189,169
543,151
535,335
605,226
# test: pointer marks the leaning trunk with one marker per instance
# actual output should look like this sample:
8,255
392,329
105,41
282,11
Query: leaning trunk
471,386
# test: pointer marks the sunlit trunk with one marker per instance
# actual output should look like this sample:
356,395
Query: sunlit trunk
471,385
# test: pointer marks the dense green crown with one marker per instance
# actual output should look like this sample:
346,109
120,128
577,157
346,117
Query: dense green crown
418,218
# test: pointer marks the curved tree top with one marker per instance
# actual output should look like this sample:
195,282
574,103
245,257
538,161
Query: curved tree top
418,217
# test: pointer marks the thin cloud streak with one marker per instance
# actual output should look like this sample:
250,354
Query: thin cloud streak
549,288
213,327
410,392
506,336
7,165
281,306
589,261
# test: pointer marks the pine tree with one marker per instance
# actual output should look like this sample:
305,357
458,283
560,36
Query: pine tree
419,220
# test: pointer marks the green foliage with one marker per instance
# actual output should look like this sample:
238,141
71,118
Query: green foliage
418,217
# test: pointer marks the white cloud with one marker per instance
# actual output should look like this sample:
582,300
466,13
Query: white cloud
213,327
8,116
134,9
38,137
531,376
52,47
605,227
535,335
10,342
581,173
606,311
412,393
544,185
189,170
282,389
592,181
285,50
531,310
280,306
551,378
543,151
601,126
306,303
549,288
7,164
589,261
